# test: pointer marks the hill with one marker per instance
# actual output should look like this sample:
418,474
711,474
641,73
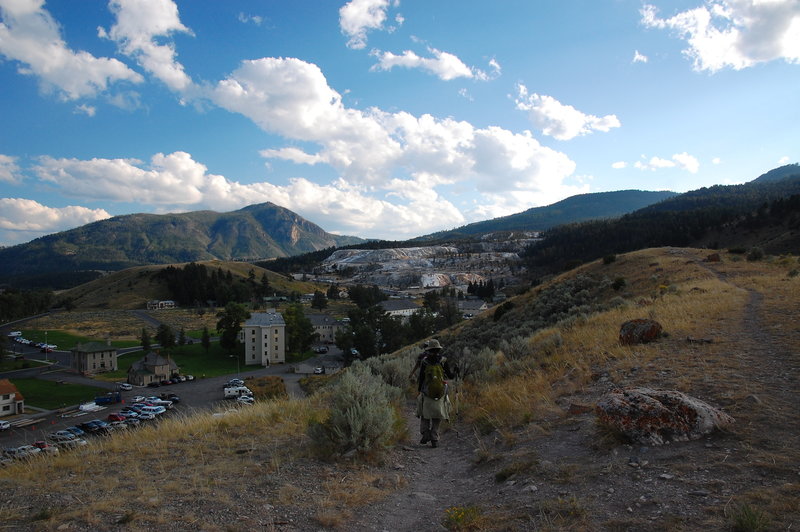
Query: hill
255,232
573,209
132,288
524,450
764,213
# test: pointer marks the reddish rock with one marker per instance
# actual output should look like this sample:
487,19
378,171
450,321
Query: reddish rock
639,331
653,417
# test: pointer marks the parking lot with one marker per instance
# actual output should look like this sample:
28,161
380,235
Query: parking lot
201,394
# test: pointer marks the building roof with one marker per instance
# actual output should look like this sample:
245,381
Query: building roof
318,320
7,388
395,305
264,319
150,360
93,347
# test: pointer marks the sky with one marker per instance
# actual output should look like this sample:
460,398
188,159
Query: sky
383,118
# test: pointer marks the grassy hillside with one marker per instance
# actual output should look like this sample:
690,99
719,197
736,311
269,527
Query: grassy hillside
134,287
527,450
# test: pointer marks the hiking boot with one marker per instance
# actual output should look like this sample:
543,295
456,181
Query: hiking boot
434,443
423,441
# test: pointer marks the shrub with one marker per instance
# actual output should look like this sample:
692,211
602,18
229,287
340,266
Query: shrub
515,348
608,259
475,364
619,283
502,310
362,418
756,253
748,519
462,518
794,273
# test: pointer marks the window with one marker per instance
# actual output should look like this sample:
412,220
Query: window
6,408
6,397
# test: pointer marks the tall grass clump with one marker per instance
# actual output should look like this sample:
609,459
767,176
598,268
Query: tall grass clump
363,418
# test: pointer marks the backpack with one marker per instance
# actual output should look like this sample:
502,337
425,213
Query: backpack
434,385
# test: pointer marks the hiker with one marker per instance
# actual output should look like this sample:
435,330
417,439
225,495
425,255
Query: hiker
433,403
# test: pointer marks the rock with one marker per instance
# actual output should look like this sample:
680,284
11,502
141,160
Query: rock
656,417
577,409
714,257
639,331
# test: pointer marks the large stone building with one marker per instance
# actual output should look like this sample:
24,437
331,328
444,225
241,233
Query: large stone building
325,327
264,339
92,358
152,368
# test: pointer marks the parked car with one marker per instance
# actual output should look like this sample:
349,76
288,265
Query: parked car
5,425
138,399
115,417
26,451
233,383
125,386
61,436
45,447
156,410
321,349
319,371
71,444
166,382
154,384
174,398
78,432
189,378
245,400
146,416
132,421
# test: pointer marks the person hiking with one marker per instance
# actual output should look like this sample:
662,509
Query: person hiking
433,403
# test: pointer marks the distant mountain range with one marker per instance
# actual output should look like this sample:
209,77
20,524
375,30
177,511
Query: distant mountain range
578,208
256,232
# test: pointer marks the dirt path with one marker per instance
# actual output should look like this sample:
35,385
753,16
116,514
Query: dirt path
566,474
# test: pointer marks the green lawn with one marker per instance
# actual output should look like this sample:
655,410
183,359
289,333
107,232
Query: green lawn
10,364
191,359
52,395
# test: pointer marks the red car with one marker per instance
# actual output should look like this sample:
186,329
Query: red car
116,417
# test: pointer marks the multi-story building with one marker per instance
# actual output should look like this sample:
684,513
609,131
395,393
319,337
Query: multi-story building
92,358
11,401
264,339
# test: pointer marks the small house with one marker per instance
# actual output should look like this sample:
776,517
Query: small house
11,401
152,368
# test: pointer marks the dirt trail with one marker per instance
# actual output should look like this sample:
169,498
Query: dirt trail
575,478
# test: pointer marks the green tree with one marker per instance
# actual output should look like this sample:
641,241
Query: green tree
299,330
165,336
319,301
146,342
182,336
229,325
205,340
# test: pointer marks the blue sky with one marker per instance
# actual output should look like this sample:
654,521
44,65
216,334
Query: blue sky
383,118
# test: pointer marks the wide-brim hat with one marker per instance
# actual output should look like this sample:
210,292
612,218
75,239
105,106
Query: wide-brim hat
433,345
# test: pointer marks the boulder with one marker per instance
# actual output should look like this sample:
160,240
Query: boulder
714,257
653,417
639,331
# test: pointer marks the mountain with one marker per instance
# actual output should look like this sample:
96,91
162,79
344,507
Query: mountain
573,209
764,212
256,232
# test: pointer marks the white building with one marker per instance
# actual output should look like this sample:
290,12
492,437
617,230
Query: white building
11,401
264,339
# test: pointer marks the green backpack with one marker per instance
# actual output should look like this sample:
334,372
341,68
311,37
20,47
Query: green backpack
434,381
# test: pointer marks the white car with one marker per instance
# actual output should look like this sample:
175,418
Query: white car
71,444
5,425
124,386
61,436
245,400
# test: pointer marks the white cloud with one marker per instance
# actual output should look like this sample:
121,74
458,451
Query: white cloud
9,169
619,165
22,219
684,161
639,58
716,160
374,148
30,35
139,24
255,19
784,160
558,120
88,110
357,17
444,65
735,33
